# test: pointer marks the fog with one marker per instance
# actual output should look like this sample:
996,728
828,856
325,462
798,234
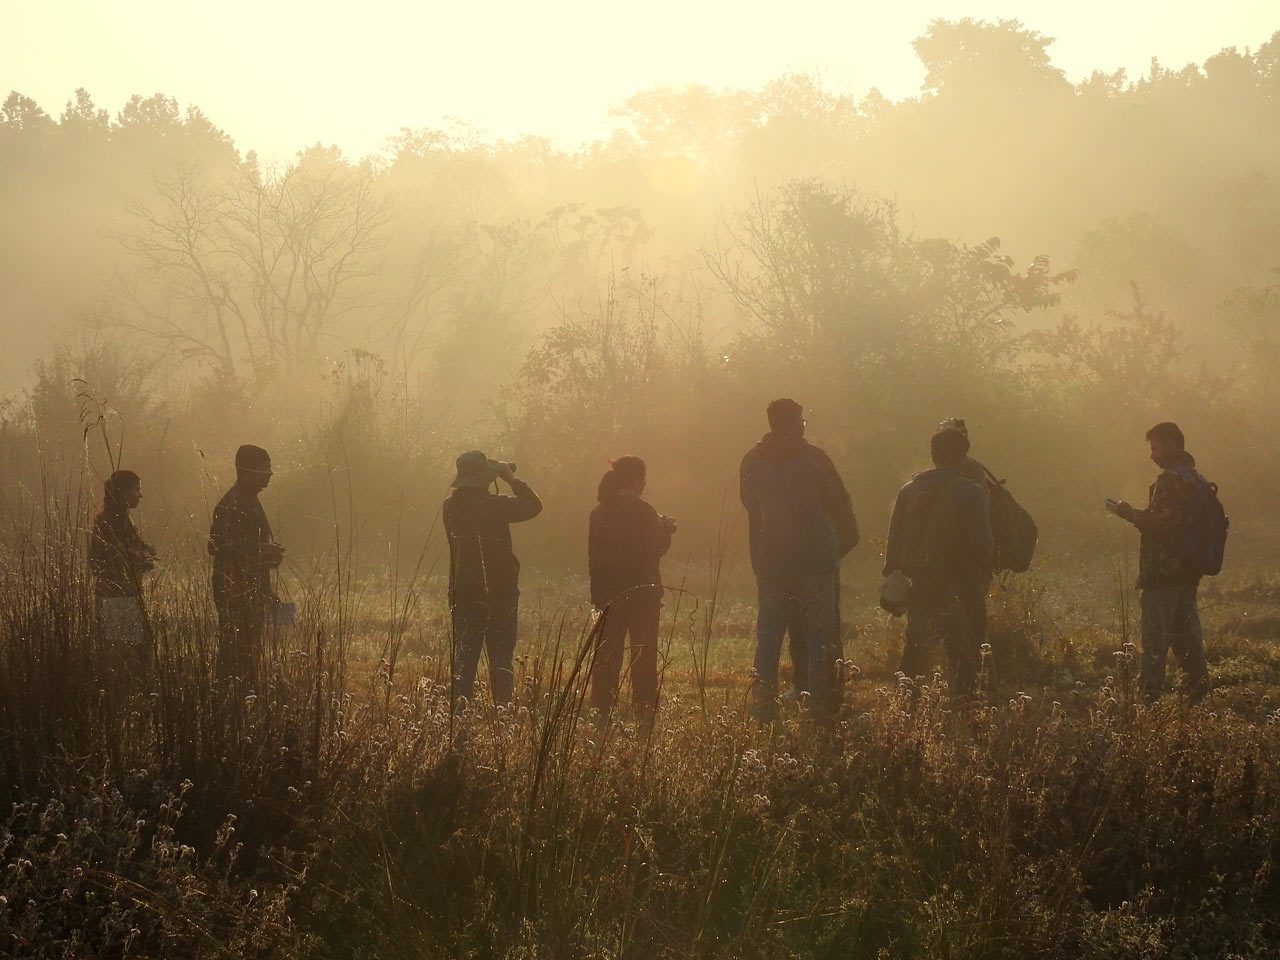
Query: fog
1061,263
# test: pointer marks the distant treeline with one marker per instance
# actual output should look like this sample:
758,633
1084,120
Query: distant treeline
649,294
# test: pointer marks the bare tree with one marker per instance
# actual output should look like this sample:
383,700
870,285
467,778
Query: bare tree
255,274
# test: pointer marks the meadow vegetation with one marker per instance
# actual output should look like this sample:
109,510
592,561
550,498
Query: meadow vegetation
367,320
339,810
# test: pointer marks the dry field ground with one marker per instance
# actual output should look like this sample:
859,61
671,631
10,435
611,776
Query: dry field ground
338,811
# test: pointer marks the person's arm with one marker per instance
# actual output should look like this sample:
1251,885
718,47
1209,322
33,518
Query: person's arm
144,555
744,483
97,550
1166,507
524,505
217,532
595,562
975,523
893,539
838,503
235,542
659,531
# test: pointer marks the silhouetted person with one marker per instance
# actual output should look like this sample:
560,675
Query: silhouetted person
244,554
484,574
118,558
625,544
1166,580
975,599
801,524
940,538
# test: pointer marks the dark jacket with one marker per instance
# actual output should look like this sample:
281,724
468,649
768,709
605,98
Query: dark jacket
477,523
975,470
800,515
237,536
118,556
625,543
1171,502
955,532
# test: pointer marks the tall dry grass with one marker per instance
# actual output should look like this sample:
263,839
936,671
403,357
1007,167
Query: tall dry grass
339,810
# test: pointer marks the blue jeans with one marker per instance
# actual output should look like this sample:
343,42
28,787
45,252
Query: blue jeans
488,626
1170,621
811,603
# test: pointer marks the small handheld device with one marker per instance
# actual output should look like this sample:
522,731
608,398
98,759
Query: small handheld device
1113,505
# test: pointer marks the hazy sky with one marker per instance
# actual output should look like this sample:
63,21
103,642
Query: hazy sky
279,75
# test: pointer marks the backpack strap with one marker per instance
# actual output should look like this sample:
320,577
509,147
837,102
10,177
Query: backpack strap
992,479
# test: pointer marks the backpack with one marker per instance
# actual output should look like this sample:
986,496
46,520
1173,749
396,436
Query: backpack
1012,528
932,534
1202,541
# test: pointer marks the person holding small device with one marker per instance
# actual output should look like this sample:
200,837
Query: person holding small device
1168,572
244,553
627,539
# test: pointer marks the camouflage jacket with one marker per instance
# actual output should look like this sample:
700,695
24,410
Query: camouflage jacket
1168,513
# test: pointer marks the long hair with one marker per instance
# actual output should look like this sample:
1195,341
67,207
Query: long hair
622,473
113,490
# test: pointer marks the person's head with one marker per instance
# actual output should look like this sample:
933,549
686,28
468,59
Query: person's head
1166,439
786,417
121,491
954,423
253,468
475,470
948,447
626,475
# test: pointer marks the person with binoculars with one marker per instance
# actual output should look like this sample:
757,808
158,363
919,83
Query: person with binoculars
484,574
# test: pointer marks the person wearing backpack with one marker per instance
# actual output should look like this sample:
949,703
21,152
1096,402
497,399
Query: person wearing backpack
801,524
1183,532
940,540
1012,528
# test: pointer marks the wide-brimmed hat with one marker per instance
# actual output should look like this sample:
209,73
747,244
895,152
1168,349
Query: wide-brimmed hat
476,470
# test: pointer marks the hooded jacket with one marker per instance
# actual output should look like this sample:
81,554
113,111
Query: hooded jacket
1170,510
800,516
965,543
626,541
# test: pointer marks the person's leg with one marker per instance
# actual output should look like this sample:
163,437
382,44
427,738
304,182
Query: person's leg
816,596
240,628
921,635
249,644
646,620
1187,641
773,597
973,597
224,664
963,653
470,623
1158,614
607,666
500,644
798,648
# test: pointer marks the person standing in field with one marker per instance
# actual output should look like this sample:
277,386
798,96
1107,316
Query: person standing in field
244,554
940,539
973,596
801,524
1169,574
484,574
118,558
626,541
